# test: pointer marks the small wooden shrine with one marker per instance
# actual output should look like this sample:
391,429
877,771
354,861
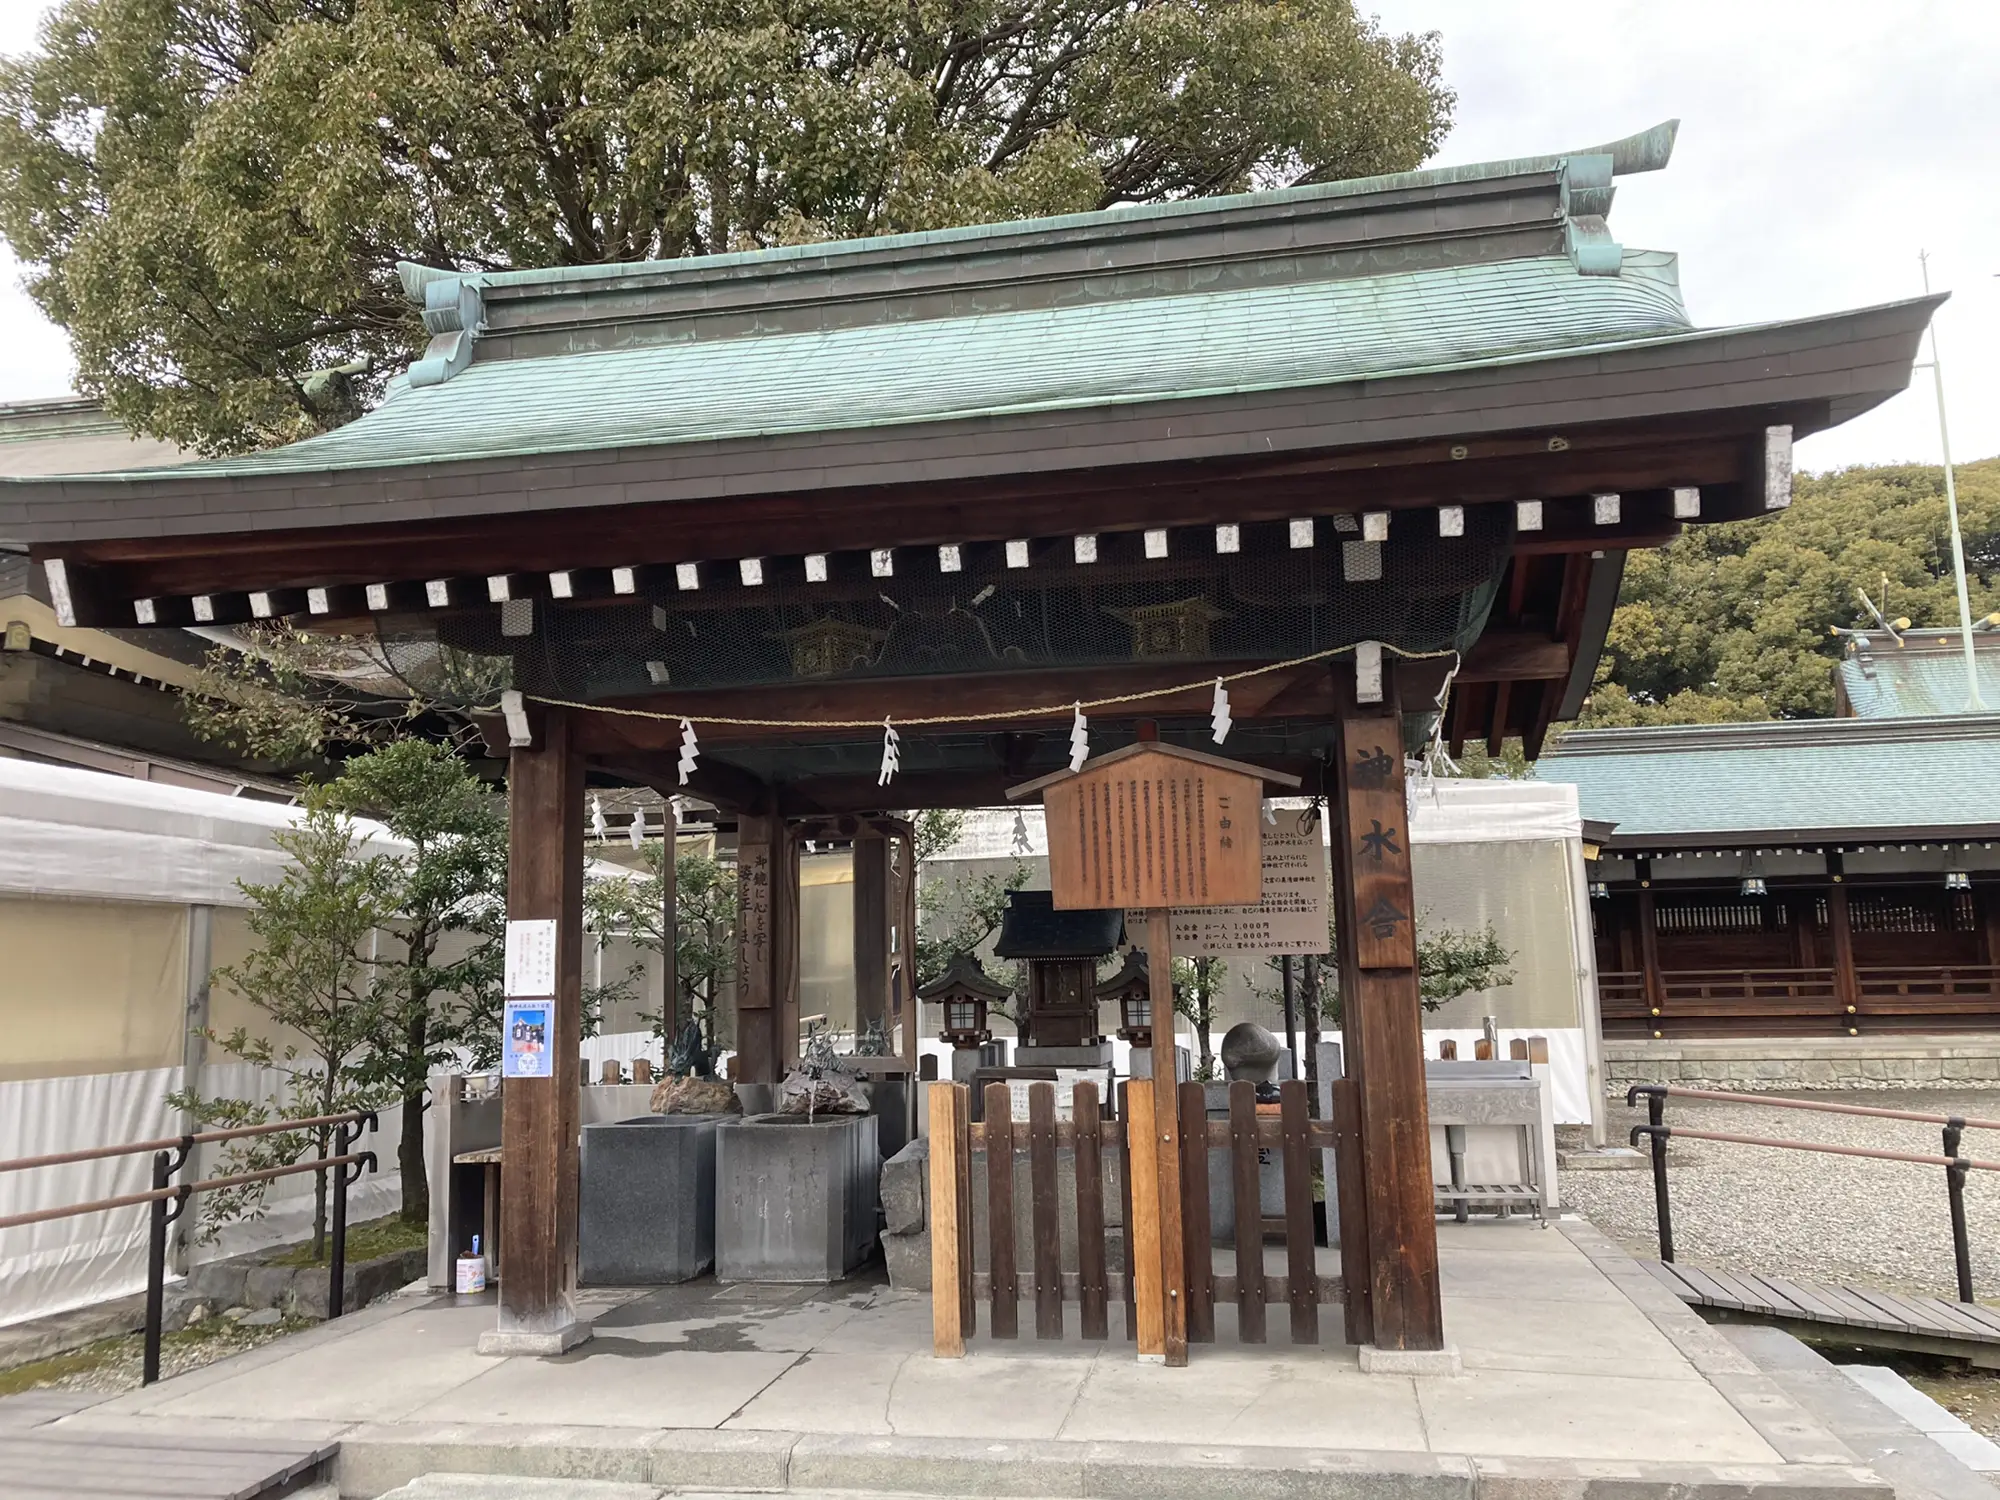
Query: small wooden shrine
1062,949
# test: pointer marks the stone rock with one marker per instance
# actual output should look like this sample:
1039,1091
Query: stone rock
695,1096
1251,1053
235,1314
197,1313
264,1317
904,1179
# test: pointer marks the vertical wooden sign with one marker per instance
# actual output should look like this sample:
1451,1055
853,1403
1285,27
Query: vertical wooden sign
756,936
1377,826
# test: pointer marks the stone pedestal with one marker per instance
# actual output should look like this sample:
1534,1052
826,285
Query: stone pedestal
646,1200
1096,1055
796,1197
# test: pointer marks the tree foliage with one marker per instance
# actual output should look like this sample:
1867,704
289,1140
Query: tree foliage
705,908
1733,621
311,975
439,998
1197,986
212,195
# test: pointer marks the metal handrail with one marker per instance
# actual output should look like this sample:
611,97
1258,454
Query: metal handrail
1955,1166
178,1142
169,1156
1772,1101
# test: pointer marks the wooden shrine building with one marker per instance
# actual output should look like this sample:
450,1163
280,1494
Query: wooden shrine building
724,517
1808,878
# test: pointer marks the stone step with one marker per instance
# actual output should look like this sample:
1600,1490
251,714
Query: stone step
647,1465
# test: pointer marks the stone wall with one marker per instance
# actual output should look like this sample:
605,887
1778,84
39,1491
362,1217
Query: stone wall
1750,1064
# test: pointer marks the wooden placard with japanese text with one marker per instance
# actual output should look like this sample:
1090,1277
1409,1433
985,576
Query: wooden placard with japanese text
1155,830
1378,827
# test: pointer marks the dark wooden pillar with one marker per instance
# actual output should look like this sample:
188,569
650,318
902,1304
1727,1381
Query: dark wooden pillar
872,919
538,1132
1382,1018
1649,952
1840,932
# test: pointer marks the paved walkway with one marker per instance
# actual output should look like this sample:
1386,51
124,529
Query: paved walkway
1572,1354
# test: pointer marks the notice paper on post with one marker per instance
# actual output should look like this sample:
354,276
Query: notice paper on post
531,957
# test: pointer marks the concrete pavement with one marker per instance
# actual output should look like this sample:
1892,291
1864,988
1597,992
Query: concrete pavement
1575,1365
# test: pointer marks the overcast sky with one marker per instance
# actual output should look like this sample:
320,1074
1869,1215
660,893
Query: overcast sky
1823,144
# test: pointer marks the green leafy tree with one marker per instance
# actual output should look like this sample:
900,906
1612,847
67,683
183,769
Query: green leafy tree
1735,621
310,974
1450,962
212,195
705,905
1197,985
959,913
440,997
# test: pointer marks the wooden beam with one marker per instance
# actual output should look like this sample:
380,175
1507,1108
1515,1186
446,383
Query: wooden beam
1631,458
538,1133
1375,924
1503,655
1166,1141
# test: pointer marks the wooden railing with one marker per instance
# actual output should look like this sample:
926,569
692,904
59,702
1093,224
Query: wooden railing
1805,1001
959,1224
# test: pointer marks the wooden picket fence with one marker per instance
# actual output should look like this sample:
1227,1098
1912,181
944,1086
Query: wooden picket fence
957,1223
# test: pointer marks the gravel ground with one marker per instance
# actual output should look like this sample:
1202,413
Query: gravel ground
118,1364
1807,1216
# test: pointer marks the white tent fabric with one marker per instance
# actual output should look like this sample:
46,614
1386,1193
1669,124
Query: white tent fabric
71,832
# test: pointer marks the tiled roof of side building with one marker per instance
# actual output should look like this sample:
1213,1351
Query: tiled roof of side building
1710,783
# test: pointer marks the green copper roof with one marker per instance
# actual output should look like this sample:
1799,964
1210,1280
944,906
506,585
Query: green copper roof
1799,777
1925,677
1086,354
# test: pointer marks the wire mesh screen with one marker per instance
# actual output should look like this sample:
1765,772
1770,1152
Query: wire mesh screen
964,611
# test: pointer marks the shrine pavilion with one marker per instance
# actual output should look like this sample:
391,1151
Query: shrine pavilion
824,533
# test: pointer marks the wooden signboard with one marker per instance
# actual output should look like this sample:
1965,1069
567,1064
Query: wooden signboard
1153,826
1385,930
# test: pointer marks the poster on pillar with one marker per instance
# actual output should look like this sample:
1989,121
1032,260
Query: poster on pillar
1291,917
524,1040
1377,827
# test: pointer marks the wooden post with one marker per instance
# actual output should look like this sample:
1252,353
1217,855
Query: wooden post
1143,1231
1655,989
871,929
538,1131
951,1272
1840,928
1375,925
767,969
1166,1142
910,1010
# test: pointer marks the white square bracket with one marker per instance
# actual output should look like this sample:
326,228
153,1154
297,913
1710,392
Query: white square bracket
815,567
1451,520
1368,672
1687,504
1017,554
882,562
1375,526
1086,549
1228,537
1527,515
1299,531
1605,508
1156,543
